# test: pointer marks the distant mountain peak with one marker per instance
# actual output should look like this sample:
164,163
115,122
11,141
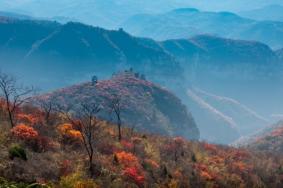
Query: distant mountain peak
186,10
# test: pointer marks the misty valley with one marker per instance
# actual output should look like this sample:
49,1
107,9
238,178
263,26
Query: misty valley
116,94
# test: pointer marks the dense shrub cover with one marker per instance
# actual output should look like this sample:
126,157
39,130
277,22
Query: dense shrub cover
24,132
139,160
16,151
53,154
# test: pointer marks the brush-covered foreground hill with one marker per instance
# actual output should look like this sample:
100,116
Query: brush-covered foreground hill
145,106
39,153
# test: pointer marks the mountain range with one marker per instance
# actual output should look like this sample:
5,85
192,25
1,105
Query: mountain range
56,55
110,14
85,48
188,22
271,12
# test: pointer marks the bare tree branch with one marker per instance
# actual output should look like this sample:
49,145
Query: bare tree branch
14,95
84,118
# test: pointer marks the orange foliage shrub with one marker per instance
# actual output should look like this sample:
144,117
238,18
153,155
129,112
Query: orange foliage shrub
24,132
77,135
65,127
31,137
27,119
204,172
127,159
69,135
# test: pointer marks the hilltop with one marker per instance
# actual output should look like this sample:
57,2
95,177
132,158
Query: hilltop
145,106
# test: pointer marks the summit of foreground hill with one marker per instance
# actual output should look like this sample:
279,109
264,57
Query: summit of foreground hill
145,106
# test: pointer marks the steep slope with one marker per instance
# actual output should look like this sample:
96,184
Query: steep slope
185,23
214,126
146,107
222,119
246,120
268,139
18,36
220,50
53,50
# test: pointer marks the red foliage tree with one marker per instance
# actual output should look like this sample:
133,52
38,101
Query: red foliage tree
135,175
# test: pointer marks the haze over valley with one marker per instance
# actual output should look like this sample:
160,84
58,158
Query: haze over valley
196,84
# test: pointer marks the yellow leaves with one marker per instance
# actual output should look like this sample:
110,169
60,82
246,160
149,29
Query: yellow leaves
86,184
173,184
152,151
68,133
65,127
75,134
76,180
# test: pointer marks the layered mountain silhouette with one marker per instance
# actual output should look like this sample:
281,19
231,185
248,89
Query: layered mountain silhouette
44,45
187,22
271,12
55,55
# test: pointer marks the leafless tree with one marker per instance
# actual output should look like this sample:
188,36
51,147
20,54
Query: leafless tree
47,106
84,118
13,95
116,108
